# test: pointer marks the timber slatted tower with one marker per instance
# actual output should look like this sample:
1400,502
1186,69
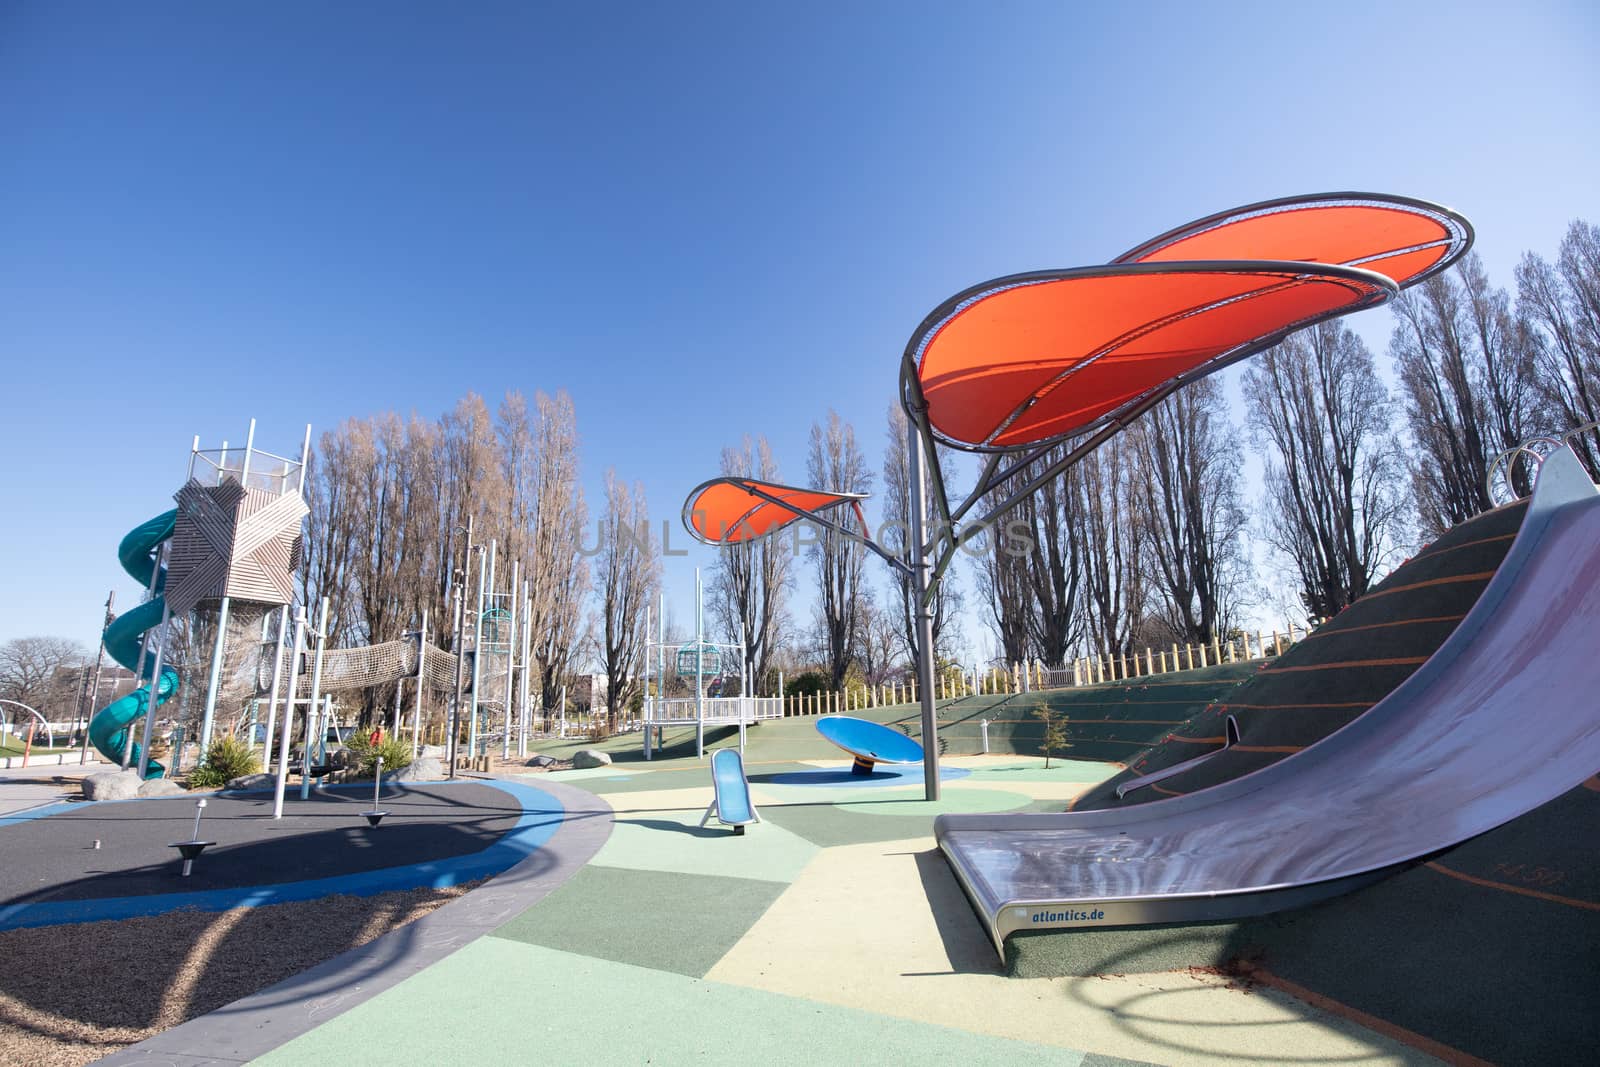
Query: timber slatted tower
236,537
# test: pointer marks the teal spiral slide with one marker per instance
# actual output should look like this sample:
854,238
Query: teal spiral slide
139,553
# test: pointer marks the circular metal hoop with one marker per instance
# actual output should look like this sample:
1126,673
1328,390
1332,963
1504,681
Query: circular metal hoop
1499,483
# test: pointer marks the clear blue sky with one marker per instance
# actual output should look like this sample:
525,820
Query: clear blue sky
701,219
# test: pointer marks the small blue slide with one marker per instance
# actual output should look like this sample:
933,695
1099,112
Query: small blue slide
730,802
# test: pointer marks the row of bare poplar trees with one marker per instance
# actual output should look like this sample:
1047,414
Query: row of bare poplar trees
1145,541
1148,540
391,503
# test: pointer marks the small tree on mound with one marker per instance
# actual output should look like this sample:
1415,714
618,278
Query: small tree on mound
1055,731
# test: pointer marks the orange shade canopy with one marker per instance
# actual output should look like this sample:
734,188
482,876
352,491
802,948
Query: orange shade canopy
726,511
1029,358
1404,239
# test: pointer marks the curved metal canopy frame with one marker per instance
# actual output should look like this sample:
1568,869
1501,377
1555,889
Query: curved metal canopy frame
748,509
1352,237
1168,312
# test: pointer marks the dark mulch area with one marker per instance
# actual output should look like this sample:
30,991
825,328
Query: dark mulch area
72,994
1336,674
55,858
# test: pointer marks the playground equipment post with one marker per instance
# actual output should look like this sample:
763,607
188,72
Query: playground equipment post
94,684
155,678
276,687
920,584
288,714
221,645
455,693
312,719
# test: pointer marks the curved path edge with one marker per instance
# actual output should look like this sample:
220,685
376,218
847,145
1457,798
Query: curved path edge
254,1025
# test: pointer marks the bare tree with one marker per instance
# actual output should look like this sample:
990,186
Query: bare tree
556,568
1055,565
1334,505
1111,548
896,519
1004,582
881,650
1562,302
1187,502
1466,370
28,666
630,573
751,577
835,463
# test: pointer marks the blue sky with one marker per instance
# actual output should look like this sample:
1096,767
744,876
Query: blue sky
702,220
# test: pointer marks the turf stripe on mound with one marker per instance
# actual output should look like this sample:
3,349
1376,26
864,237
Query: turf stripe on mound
1336,674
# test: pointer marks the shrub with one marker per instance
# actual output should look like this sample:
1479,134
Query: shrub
396,752
227,758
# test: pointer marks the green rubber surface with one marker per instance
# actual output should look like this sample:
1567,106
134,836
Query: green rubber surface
442,1016
1335,675
673,841
670,922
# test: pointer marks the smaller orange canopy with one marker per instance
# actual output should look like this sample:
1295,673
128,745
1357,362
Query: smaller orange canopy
726,511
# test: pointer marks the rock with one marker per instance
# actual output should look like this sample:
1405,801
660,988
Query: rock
421,769
436,751
161,787
543,761
112,785
253,781
590,757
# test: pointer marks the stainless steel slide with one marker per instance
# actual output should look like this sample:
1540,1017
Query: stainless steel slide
1503,718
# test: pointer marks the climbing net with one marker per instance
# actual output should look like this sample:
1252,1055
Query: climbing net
362,667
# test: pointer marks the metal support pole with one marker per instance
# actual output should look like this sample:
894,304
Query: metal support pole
99,659
455,691
312,719
288,714
272,693
922,575
155,695
422,675
699,670
525,718
511,658
648,708
212,680
477,650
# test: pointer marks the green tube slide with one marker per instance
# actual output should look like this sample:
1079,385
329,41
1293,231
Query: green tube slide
109,728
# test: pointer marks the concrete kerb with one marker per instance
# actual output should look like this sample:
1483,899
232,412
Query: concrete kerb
260,1022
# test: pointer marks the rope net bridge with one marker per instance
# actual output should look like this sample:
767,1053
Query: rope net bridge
364,666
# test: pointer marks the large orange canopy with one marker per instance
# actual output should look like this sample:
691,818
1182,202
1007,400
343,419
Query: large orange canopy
727,511
1032,357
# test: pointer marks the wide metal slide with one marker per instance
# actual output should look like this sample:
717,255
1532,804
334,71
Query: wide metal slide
1503,718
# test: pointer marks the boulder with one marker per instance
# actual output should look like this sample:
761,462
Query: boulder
112,785
421,769
161,787
543,761
253,781
436,751
590,757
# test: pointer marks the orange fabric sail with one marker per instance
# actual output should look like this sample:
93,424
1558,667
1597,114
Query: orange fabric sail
1033,357
727,511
